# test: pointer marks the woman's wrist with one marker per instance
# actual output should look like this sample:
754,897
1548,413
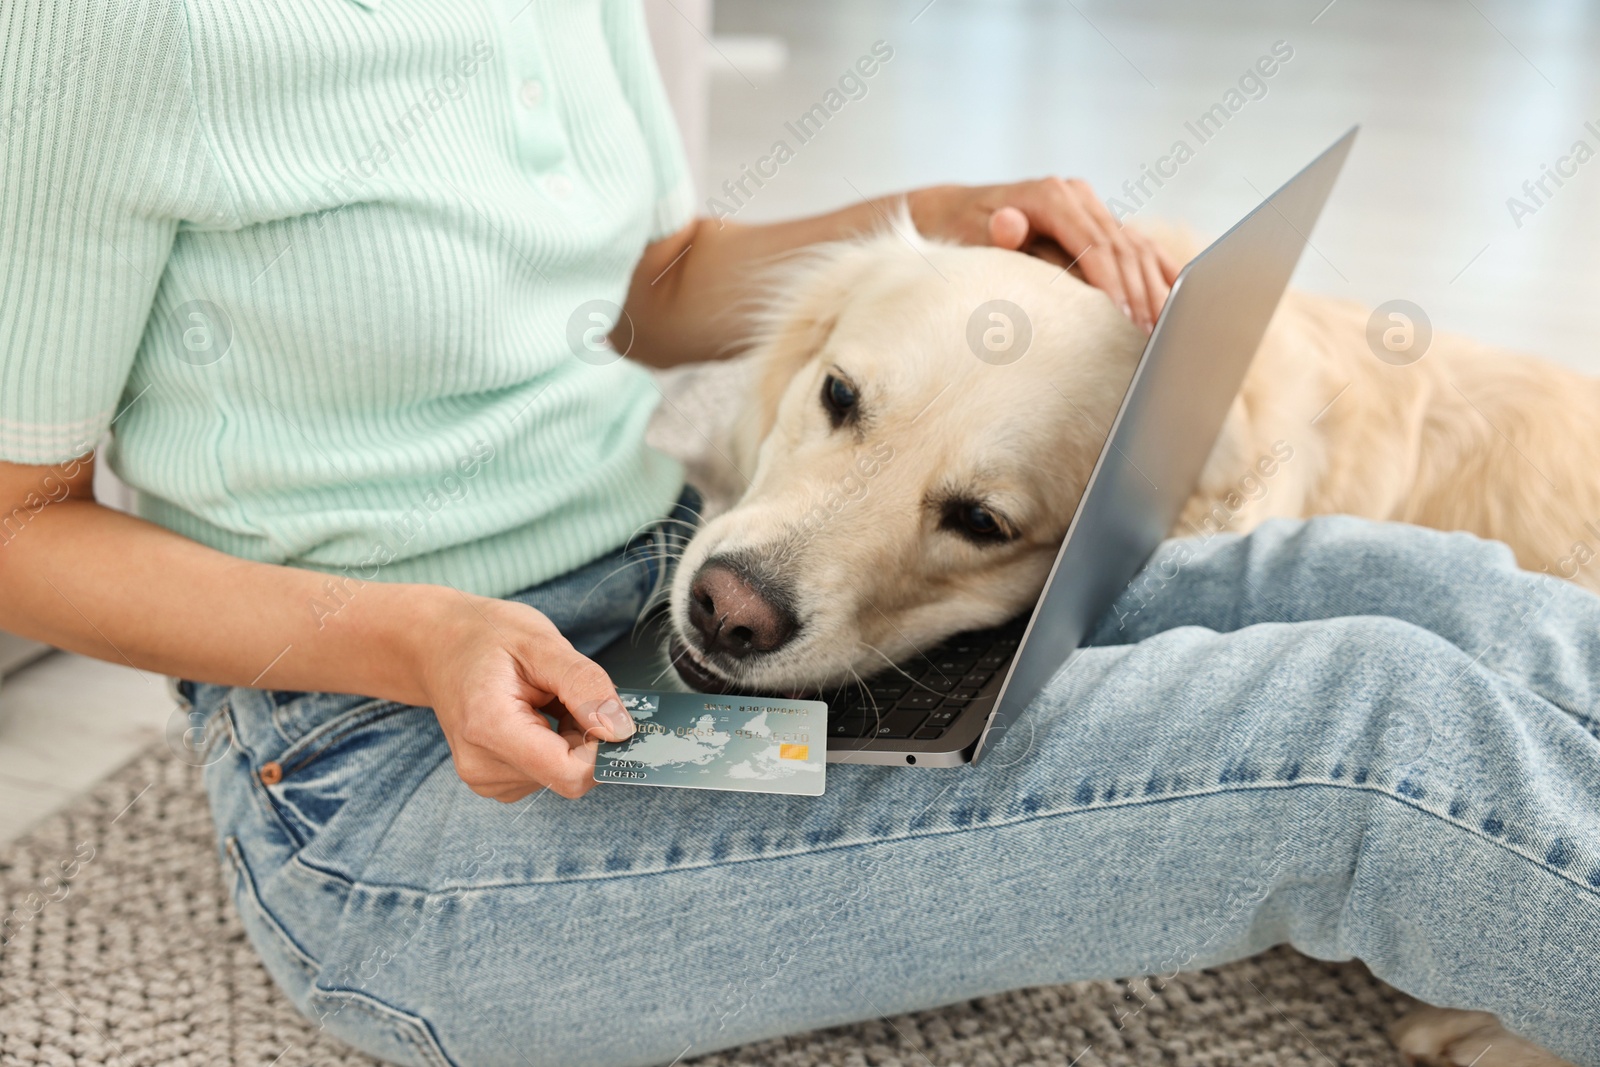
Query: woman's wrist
934,210
394,649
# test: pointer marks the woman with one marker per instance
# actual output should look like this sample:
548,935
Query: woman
329,276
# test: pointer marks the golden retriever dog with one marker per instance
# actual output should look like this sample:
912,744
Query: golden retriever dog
901,486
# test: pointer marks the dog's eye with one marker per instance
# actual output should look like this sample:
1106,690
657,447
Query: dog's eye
839,398
980,522
974,522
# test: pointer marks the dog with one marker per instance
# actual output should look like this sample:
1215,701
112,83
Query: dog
901,487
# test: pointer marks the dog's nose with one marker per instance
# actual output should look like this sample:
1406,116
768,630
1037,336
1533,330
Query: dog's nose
734,615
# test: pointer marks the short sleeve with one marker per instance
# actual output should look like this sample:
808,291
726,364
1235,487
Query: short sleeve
641,83
100,157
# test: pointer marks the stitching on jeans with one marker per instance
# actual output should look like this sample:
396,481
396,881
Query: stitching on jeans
412,1029
337,728
247,885
1130,802
284,811
258,790
279,723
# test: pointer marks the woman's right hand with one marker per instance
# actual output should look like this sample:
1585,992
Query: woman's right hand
497,666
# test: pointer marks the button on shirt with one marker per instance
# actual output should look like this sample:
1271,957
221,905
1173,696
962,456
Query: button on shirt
330,272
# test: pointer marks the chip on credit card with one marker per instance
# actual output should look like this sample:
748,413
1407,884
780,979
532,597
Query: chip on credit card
702,741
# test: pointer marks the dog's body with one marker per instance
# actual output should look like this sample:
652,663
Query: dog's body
1466,438
902,487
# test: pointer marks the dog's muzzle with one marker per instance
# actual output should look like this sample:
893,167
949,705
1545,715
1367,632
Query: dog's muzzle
735,615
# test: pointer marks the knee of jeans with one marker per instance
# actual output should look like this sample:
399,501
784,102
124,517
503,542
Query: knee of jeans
1362,544
1371,649
1391,681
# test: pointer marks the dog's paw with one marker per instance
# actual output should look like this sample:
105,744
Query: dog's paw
1446,1037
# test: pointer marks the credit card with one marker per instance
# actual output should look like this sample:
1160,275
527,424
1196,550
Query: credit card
699,741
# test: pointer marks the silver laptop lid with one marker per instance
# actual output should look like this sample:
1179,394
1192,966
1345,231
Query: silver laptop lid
1192,368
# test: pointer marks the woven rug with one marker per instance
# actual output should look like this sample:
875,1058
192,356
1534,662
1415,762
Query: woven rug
124,949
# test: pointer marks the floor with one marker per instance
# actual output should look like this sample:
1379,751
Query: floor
66,722
1461,102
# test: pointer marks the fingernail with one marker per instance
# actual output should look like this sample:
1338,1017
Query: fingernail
617,720
1127,310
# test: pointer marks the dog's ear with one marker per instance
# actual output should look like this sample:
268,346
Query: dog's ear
805,295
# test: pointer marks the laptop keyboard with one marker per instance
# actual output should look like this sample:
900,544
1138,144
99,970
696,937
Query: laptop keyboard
928,693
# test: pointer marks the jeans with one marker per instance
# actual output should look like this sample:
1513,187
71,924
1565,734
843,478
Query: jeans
1364,740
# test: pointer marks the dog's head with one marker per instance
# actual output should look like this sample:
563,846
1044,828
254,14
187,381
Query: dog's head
926,419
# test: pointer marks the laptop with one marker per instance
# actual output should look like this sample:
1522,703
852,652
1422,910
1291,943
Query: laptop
963,699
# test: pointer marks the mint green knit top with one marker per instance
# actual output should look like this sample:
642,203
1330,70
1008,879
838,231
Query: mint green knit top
336,275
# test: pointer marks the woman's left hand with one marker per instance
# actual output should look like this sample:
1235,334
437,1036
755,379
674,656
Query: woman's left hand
1050,217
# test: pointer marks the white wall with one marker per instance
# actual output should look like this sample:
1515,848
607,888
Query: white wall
679,30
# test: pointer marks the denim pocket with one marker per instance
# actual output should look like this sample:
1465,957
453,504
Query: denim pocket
312,780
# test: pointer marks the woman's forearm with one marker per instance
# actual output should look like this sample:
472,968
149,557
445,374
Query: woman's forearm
688,293
86,578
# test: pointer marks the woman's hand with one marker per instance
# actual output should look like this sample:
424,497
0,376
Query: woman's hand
1048,218
499,664
485,666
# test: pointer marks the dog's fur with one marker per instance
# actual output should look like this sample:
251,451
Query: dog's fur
848,524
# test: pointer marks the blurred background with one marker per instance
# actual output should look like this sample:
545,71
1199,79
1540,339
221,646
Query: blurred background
1462,102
